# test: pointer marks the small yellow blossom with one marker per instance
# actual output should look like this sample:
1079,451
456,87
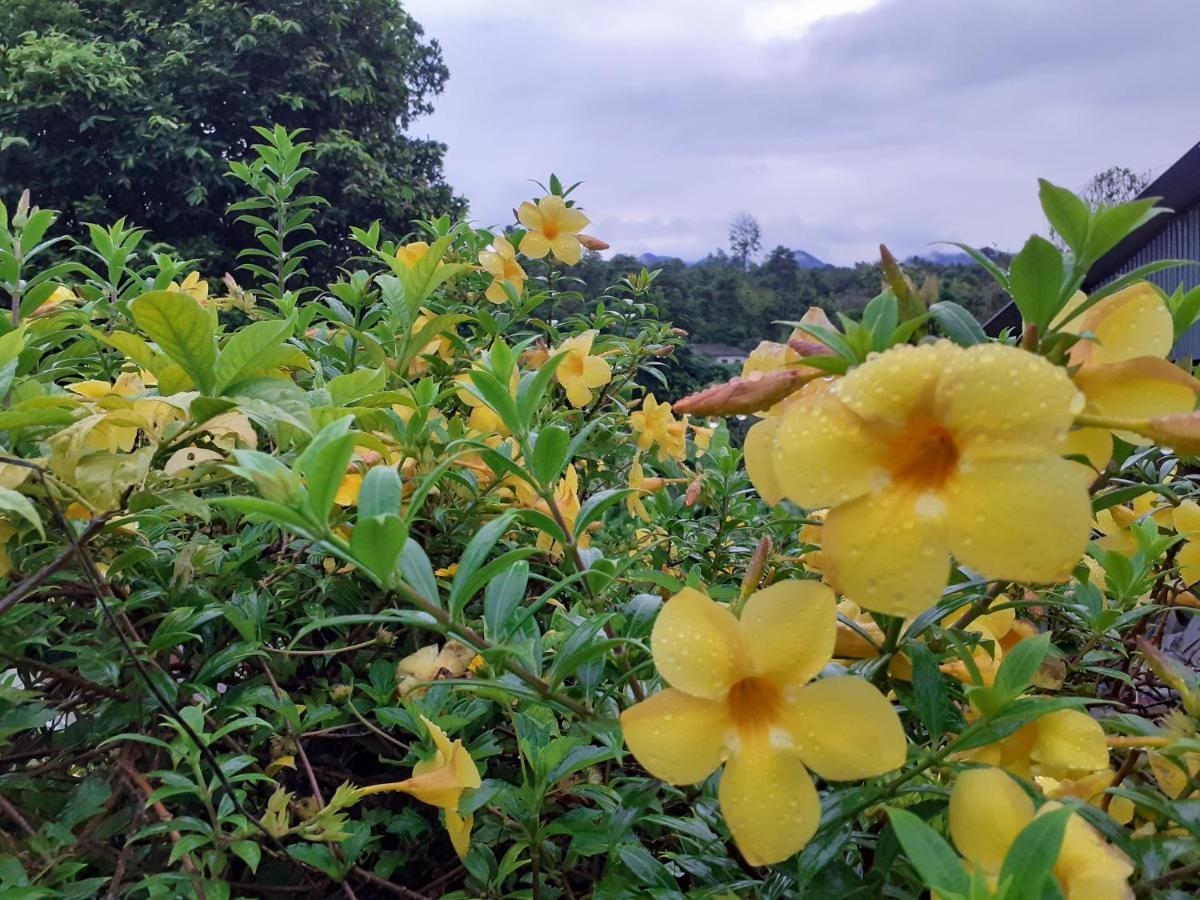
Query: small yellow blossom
1063,744
1122,370
440,781
987,812
640,483
193,287
440,345
580,372
553,228
740,696
566,500
927,451
501,263
412,253
655,425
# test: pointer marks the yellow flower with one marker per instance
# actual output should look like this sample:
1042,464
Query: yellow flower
1001,631
927,451
349,489
1064,744
1187,523
1123,371
1170,776
700,434
987,812
553,227
580,373
654,424
1090,789
441,345
193,287
412,253
640,483
740,696
483,418
429,664
57,298
566,499
440,781
501,263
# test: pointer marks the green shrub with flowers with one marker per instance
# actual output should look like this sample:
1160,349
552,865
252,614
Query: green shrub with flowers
402,586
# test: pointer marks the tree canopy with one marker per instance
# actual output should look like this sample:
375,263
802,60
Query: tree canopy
134,108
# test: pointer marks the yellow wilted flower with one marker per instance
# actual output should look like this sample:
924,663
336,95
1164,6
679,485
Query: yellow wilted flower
429,664
927,451
553,227
440,781
740,695
193,287
580,372
501,263
654,424
987,812
1090,789
1063,744
1123,372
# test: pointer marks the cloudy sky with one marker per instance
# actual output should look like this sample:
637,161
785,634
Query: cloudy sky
838,123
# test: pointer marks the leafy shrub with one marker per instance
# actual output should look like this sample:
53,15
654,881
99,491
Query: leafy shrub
402,586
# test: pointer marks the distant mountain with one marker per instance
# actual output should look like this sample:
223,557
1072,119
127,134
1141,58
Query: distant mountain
653,260
806,260
942,258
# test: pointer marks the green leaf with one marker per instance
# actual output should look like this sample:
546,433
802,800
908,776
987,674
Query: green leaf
20,506
1029,862
957,324
550,454
502,598
381,493
244,352
1067,213
323,465
1035,281
345,389
932,857
416,570
472,558
1020,664
184,330
931,699
1111,224
376,543
248,852
880,318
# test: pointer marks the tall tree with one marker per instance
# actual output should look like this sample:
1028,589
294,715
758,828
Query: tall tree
745,238
1114,185
134,108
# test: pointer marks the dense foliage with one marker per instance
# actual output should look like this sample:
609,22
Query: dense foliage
407,587
134,108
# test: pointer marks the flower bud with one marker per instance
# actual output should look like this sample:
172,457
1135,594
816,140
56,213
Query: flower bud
592,243
746,395
341,693
1180,432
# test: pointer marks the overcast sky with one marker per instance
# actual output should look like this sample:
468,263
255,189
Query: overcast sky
838,123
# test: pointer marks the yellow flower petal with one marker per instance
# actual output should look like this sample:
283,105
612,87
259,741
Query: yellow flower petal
789,630
759,449
884,556
824,454
1139,388
572,220
1186,517
529,216
845,729
1025,519
459,829
1132,322
677,737
897,385
534,245
697,645
1069,742
1088,867
987,812
769,802
992,390
1093,443
596,372
567,248
1188,560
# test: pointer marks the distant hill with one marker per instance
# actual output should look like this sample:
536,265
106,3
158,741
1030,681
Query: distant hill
806,260
942,258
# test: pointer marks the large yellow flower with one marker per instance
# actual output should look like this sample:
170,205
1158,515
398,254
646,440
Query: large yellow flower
580,373
927,451
987,812
740,695
501,263
440,781
553,227
1123,371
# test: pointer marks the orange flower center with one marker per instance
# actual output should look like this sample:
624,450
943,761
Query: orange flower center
754,705
550,229
923,455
